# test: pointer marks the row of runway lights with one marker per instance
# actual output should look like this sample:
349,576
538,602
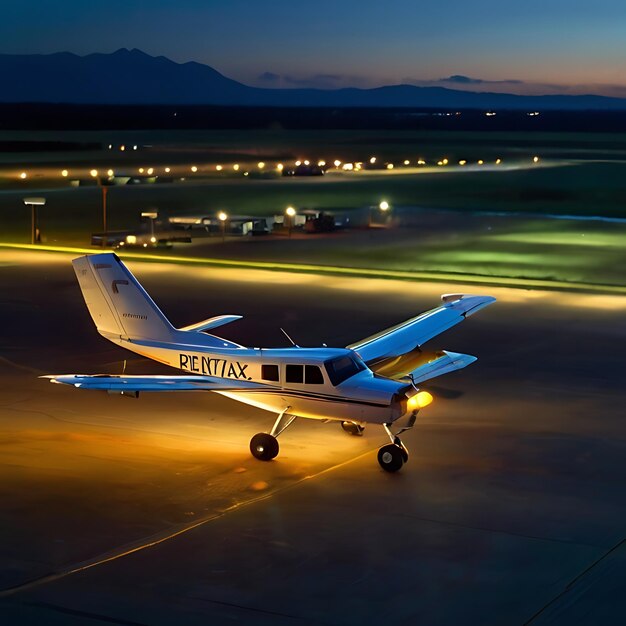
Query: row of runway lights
279,166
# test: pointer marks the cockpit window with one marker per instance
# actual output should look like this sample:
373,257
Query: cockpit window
342,368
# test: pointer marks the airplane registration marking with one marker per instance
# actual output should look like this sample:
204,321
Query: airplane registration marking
213,367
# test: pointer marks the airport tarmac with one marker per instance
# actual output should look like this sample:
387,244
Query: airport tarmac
510,510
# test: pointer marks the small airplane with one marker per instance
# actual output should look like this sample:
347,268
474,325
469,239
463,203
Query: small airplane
373,381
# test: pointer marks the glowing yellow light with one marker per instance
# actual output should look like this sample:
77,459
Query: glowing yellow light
321,163
110,172
336,162
298,163
167,170
480,161
421,162
444,161
150,171
406,162
222,217
145,245
236,167
420,400
141,170
536,159
357,166
279,167
245,173
290,211
131,239
348,167
439,162
462,162
219,168
260,165
153,239
94,173
498,161
306,162
389,166
64,173
122,148
372,160
194,168
384,205
23,175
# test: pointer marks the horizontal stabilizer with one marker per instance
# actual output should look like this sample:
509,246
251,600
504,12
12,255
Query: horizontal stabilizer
444,363
127,384
212,322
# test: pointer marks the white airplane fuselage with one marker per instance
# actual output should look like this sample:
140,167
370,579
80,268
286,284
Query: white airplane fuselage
361,397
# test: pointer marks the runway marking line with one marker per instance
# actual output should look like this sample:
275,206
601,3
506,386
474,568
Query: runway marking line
162,538
477,279
572,583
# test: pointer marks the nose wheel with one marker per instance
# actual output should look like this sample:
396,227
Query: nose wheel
394,455
391,457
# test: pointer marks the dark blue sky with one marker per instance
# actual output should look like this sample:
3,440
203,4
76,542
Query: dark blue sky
550,46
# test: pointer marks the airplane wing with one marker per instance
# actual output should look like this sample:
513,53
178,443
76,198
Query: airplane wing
418,330
131,385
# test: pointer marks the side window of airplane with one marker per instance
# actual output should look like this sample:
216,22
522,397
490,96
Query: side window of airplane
294,373
269,372
313,375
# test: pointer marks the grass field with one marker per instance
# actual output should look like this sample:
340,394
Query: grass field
578,174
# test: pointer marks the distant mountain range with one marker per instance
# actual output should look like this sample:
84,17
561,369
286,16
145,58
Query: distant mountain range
133,77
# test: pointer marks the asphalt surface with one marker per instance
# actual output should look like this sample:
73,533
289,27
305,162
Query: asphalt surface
510,511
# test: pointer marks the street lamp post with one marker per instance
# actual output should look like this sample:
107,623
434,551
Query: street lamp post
290,212
222,217
104,189
383,207
151,215
35,235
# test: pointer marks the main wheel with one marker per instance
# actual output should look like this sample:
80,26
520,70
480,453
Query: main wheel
264,446
353,429
405,452
391,457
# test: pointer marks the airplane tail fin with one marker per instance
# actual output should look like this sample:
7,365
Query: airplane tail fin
118,304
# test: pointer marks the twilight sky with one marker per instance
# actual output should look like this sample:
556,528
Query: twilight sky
533,46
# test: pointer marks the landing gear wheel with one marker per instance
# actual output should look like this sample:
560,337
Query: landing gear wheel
353,429
405,452
264,447
391,457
